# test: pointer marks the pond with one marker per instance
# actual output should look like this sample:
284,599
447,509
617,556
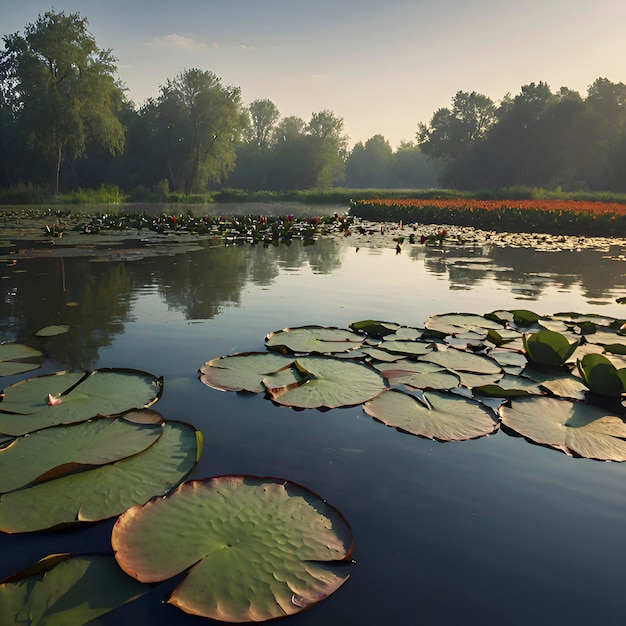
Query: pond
489,531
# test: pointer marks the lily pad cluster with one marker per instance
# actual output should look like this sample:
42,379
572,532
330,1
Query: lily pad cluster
557,380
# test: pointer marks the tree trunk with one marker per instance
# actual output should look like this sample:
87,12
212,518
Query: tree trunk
58,170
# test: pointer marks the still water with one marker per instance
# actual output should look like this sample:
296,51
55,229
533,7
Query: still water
491,531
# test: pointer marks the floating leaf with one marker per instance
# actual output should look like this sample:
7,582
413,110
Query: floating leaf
460,361
444,417
569,426
61,589
52,452
83,395
407,348
51,331
418,375
17,358
374,329
105,491
254,548
319,339
242,372
452,323
317,382
601,376
548,347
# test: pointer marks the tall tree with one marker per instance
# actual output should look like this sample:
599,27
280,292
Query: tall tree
264,115
65,88
368,165
200,122
329,146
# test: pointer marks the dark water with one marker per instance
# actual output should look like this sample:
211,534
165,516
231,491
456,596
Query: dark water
492,531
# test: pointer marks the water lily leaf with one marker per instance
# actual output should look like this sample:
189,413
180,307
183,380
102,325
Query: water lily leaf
441,416
511,361
601,376
70,397
572,427
407,348
418,375
242,372
374,329
452,323
519,317
61,589
503,336
51,331
460,361
380,355
324,382
509,387
254,548
53,452
548,347
105,491
319,339
17,358
606,337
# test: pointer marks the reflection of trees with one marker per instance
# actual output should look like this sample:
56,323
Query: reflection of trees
201,283
529,271
41,292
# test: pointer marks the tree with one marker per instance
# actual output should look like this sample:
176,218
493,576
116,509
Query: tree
64,87
264,115
200,122
329,146
368,165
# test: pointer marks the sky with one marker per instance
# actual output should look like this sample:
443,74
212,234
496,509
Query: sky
383,66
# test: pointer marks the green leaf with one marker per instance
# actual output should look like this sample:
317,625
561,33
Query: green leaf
418,375
27,404
61,590
254,549
548,347
569,426
406,348
601,376
440,416
318,339
105,491
317,382
52,452
242,372
374,329
51,331
453,323
461,361
17,358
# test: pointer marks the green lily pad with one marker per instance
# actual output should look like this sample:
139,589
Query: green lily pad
460,361
17,358
572,427
509,387
51,331
254,549
601,376
452,323
324,382
418,375
407,348
53,452
374,329
105,491
318,339
242,372
61,589
548,347
70,397
440,416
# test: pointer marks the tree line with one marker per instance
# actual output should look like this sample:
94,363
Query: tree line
66,122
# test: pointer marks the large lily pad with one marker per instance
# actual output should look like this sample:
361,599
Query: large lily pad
317,339
17,358
316,382
569,426
601,376
452,323
440,416
254,548
418,375
548,347
242,372
52,452
70,397
105,491
461,361
61,589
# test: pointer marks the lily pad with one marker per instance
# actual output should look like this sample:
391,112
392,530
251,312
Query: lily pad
242,372
105,491
452,323
53,452
548,347
601,376
374,329
407,348
460,361
418,375
324,382
575,428
318,339
17,358
440,416
70,397
51,331
61,589
254,549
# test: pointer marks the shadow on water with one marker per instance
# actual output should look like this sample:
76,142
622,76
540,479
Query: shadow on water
490,531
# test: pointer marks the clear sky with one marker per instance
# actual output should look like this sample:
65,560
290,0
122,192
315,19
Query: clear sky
381,65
